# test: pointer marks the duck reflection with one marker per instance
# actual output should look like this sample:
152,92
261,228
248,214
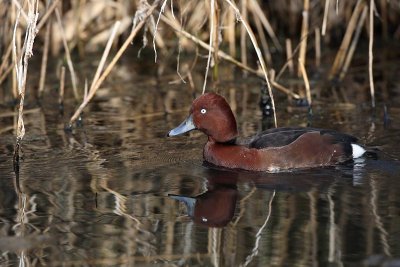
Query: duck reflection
216,206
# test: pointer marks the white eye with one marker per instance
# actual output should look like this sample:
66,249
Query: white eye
203,111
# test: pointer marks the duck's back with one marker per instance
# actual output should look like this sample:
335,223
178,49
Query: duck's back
278,137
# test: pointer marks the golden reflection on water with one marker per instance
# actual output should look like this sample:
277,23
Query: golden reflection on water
99,196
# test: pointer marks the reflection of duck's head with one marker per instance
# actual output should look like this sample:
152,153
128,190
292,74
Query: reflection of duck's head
214,208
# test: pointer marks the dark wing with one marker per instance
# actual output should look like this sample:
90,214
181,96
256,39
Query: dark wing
278,137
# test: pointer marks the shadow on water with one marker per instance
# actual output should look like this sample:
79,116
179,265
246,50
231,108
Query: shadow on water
106,194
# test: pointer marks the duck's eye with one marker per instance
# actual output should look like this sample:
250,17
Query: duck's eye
203,111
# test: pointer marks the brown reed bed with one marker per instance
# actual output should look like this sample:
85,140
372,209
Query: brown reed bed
250,34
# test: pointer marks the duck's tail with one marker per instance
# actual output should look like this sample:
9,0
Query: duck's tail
358,150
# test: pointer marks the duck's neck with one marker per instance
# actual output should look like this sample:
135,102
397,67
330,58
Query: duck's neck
228,142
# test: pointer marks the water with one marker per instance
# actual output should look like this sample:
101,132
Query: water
101,196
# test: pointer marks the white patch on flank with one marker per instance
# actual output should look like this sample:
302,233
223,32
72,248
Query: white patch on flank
358,151
273,169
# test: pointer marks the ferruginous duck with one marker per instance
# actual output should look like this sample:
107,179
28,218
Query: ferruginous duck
272,150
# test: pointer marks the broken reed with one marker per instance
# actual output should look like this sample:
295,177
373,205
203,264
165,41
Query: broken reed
21,55
64,28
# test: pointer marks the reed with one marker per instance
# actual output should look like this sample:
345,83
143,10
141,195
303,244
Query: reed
303,37
43,68
68,56
341,54
211,42
353,44
62,88
289,56
306,81
317,47
95,83
370,52
21,57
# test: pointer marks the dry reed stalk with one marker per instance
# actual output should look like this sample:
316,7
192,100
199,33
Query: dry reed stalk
317,47
243,35
178,29
5,60
353,44
272,74
289,55
68,56
216,41
325,19
191,82
105,54
194,20
306,82
370,52
186,69
259,14
341,54
289,60
85,90
259,56
175,26
16,42
231,33
62,84
4,69
21,69
285,90
5,74
304,34
19,7
43,68
337,7
263,40
47,14
95,83
134,32
162,9
178,62
212,29
14,84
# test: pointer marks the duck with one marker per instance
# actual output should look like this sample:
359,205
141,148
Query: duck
273,150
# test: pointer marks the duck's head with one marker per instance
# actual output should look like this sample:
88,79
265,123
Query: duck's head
211,114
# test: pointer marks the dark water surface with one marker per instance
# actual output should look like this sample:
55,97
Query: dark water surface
100,196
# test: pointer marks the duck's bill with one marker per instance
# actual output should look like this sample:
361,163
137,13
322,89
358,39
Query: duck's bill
186,126
190,202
